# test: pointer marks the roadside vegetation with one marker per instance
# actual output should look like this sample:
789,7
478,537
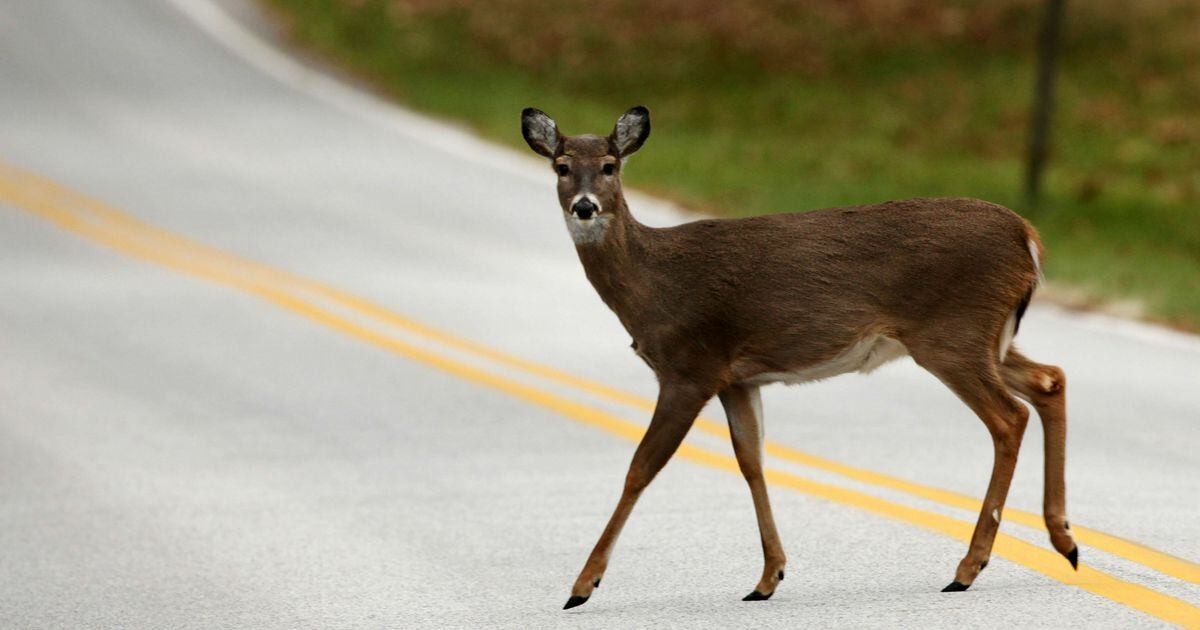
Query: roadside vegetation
784,105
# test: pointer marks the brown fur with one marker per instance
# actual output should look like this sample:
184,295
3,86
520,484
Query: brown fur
713,304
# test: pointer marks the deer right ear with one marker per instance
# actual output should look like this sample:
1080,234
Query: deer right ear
633,127
540,132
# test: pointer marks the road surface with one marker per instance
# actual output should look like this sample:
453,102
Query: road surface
275,354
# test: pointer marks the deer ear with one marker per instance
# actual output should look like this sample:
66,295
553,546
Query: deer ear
633,127
540,132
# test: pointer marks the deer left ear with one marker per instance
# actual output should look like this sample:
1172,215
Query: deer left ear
633,127
540,131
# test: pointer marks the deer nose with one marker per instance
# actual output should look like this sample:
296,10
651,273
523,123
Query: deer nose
584,208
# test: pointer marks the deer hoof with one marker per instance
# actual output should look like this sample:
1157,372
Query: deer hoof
576,600
757,597
956,587
1073,557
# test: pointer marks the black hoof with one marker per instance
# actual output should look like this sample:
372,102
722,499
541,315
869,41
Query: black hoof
756,597
1073,558
955,587
781,575
575,600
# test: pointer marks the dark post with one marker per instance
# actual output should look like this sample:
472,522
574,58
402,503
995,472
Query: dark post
1043,96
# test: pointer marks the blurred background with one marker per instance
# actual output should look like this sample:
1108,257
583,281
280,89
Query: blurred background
789,105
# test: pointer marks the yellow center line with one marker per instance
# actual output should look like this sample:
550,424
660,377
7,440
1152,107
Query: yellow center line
18,192
1132,551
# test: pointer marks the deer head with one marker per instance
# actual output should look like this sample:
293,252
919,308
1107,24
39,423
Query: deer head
588,168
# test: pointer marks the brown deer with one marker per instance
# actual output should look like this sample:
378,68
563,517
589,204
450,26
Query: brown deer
723,307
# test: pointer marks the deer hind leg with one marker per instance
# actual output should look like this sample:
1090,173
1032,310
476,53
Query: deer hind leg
977,382
1045,387
743,409
674,414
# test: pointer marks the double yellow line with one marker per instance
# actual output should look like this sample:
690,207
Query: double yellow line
103,224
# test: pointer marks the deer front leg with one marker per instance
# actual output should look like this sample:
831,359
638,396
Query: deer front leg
676,410
743,409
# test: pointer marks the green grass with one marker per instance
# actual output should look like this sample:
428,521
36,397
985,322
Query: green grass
792,104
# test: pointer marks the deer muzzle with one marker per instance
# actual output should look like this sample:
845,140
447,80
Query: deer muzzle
584,208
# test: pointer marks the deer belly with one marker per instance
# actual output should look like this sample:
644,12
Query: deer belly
864,356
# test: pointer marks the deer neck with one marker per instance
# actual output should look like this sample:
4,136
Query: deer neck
615,262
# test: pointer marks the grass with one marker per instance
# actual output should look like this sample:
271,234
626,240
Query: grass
788,105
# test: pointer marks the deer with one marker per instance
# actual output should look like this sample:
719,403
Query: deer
722,307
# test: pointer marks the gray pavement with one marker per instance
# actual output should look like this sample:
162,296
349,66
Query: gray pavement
175,453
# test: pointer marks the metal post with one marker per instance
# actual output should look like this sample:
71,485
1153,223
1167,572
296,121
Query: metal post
1043,101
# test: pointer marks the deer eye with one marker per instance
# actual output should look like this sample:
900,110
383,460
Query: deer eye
562,169
609,168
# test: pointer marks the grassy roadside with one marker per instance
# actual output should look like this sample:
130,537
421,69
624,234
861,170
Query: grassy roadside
797,104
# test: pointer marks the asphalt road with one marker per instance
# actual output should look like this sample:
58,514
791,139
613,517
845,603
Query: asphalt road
218,407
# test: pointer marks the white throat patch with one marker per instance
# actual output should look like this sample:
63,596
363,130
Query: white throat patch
588,232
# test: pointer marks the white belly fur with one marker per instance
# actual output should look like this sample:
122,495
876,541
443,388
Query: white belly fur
864,356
